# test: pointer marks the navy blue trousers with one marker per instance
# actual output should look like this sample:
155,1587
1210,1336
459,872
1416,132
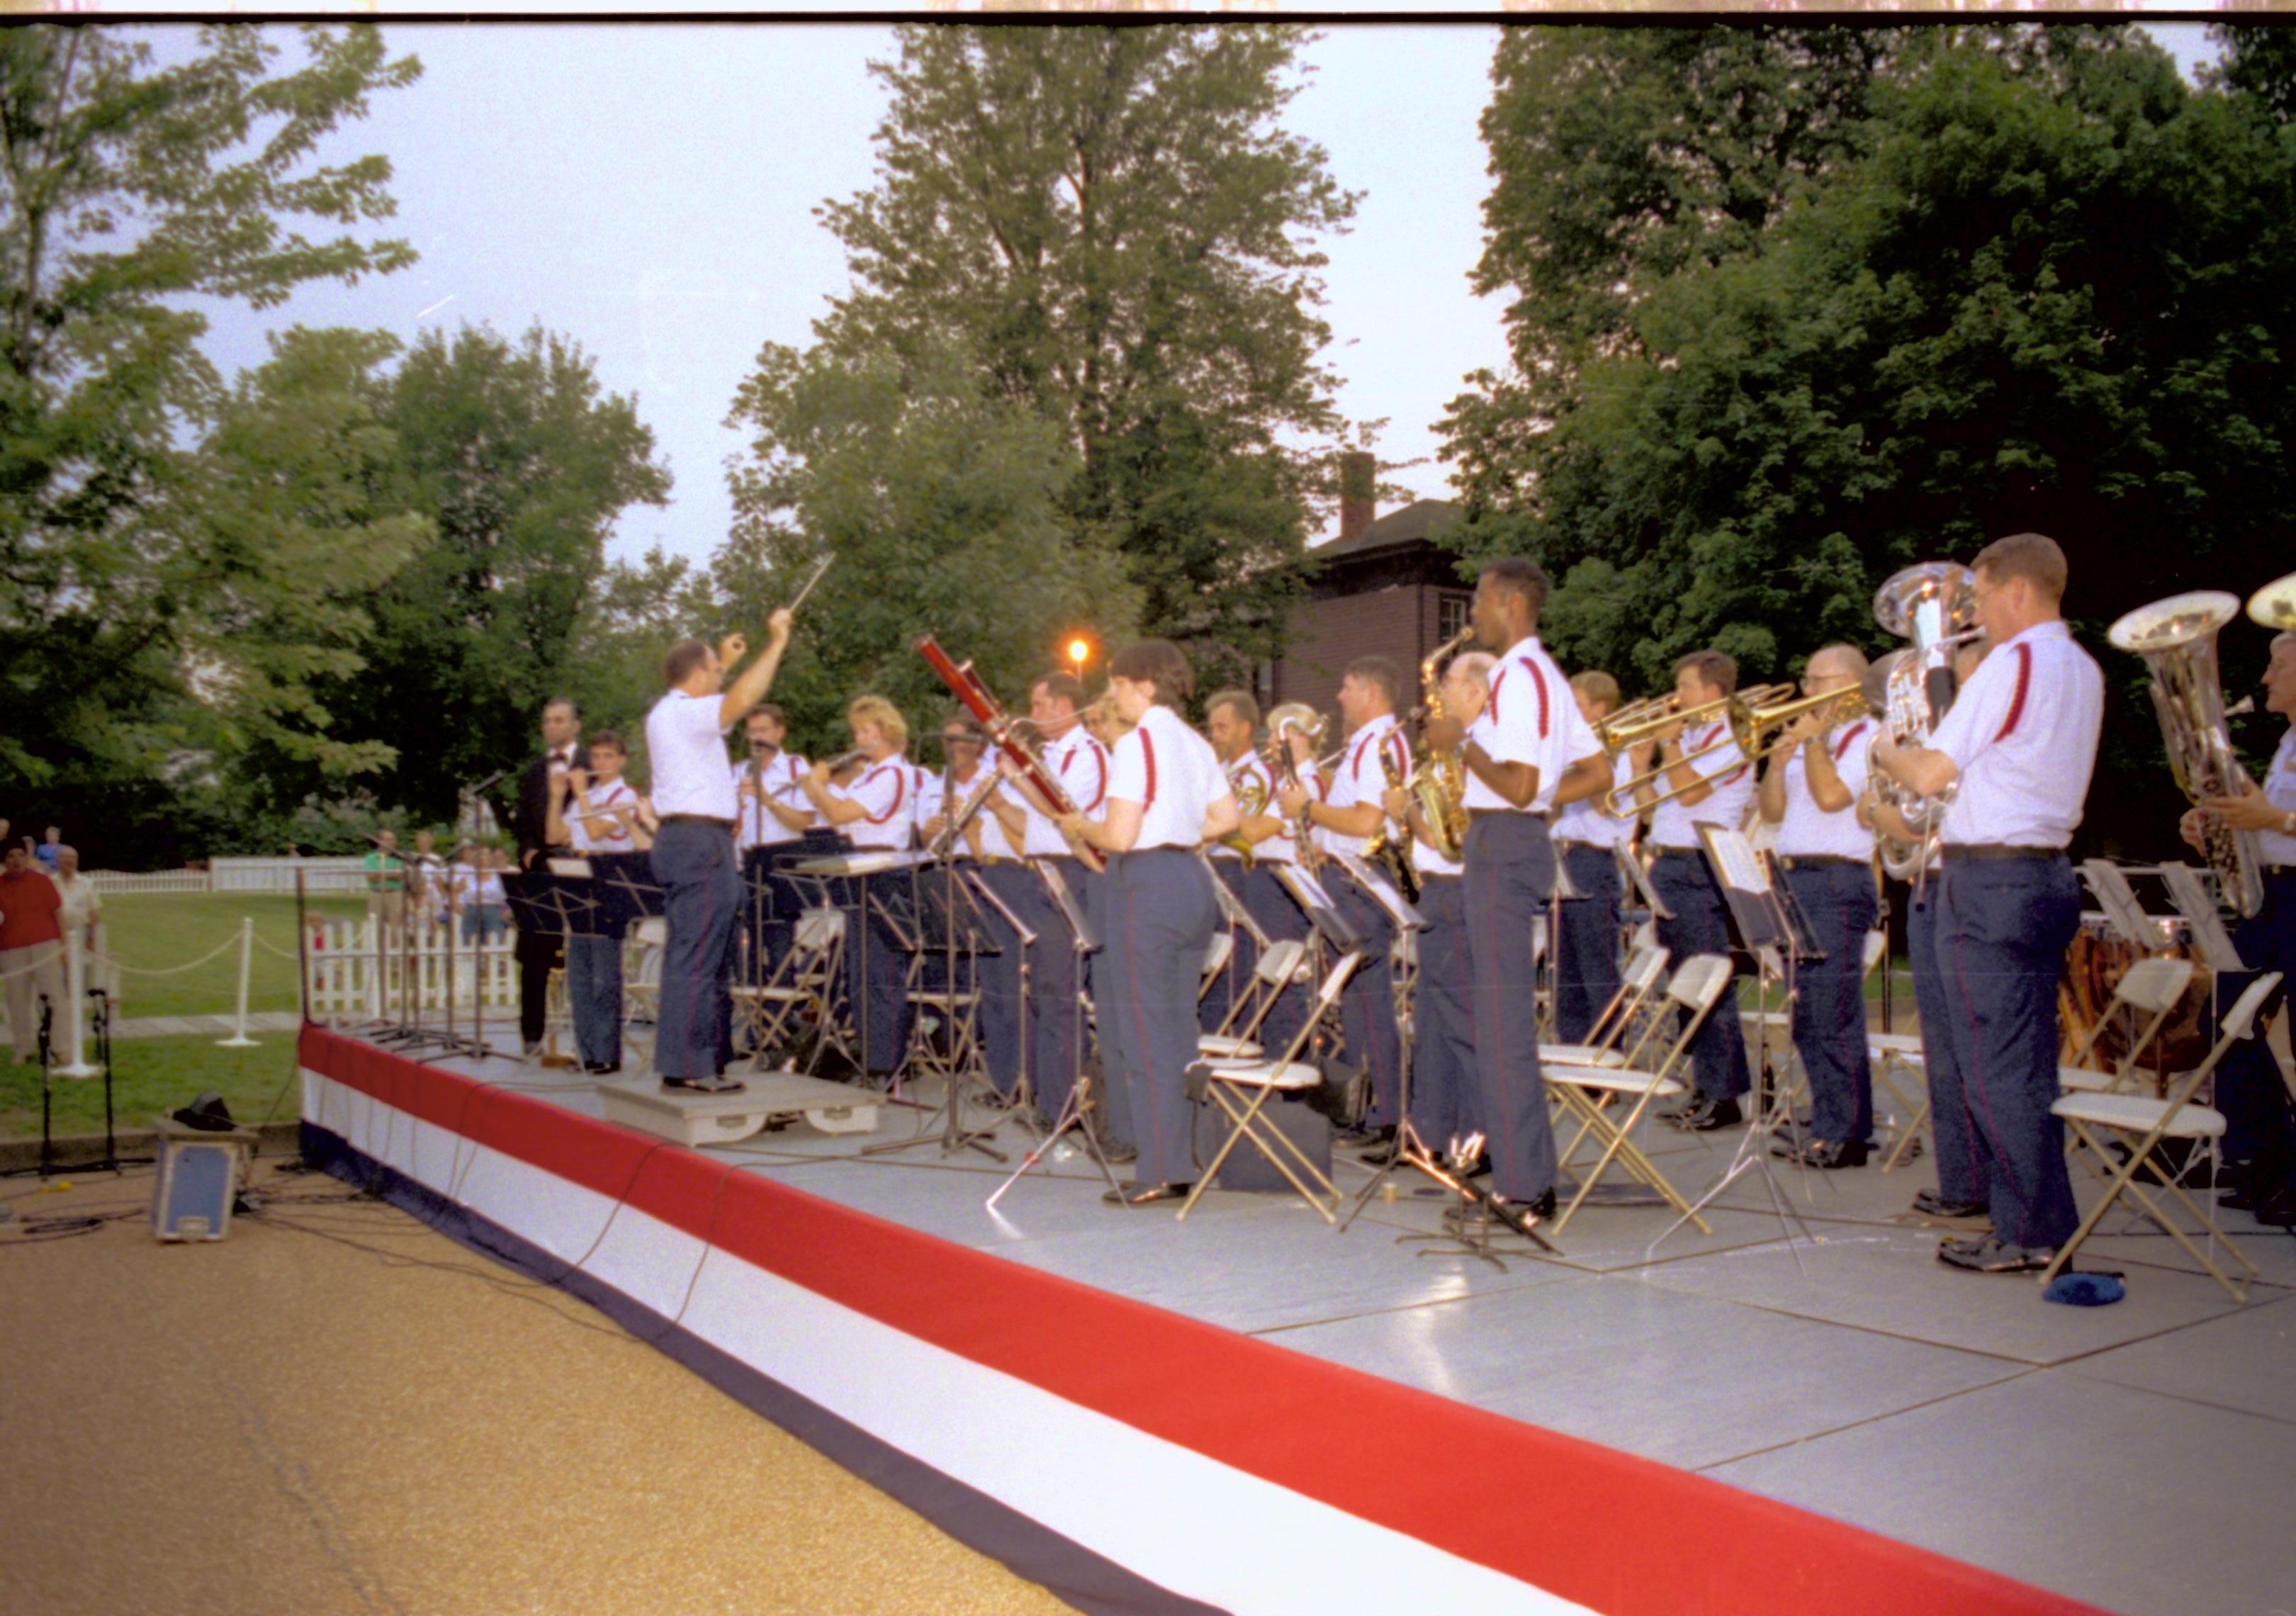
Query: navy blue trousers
1283,920
1685,884
1446,1099
1158,917
701,896
877,986
1829,1007
1509,874
1965,1163
1242,953
593,988
1585,942
1056,974
1005,976
2249,1089
2002,927
1367,1004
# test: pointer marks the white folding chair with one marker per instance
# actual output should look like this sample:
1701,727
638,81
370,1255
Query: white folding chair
1242,1089
2142,1122
1607,1042
804,981
2154,986
1216,956
1697,988
1281,964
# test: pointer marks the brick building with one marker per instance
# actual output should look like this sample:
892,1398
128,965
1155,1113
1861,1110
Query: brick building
1383,587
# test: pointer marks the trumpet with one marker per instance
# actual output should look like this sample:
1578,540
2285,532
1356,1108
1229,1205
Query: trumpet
1745,715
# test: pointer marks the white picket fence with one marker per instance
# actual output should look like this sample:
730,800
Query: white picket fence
335,874
351,978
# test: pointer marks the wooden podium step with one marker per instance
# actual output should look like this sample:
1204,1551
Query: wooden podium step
687,1118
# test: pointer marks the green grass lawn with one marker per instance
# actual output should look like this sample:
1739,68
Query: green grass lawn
162,929
151,1077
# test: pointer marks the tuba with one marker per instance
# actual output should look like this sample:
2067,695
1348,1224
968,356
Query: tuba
2274,605
1932,605
2177,639
1439,780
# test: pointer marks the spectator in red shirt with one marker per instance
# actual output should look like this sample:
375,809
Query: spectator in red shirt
32,949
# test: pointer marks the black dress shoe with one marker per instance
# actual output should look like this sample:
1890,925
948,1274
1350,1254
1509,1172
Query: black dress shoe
1480,1168
1828,1154
601,1068
1359,1138
1706,1114
719,1084
1147,1194
1929,1203
1384,1155
1991,1254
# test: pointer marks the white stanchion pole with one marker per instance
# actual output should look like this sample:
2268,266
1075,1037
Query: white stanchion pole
239,1039
73,1011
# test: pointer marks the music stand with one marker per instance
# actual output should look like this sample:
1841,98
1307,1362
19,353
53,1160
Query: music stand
2199,909
552,903
1773,928
945,919
1315,903
1086,938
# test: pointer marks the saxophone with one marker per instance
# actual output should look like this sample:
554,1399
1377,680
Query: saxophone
1439,780
1252,802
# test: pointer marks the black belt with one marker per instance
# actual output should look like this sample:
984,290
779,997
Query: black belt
1677,852
1813,861
1572,847
1543,816
1957,852
709,819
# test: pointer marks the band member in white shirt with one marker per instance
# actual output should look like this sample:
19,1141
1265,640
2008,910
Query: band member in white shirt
1232,723
1057,973
1445,1099
596,811
769,793
693,855
1352,816
1810,789
1712,783
1586,843
942,799
1526,753
873,812
2260,1141
1166,797
2015,750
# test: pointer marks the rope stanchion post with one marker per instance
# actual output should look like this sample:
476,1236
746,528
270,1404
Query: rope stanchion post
239,1039
72,1012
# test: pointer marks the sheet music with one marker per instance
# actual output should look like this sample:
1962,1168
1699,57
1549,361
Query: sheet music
1380,889
2194,903
2118,900
1735,860
575,869
1056,884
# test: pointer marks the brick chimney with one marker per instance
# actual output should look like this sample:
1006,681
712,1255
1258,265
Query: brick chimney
1358,494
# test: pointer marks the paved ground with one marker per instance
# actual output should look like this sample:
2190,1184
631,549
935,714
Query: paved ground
336,1411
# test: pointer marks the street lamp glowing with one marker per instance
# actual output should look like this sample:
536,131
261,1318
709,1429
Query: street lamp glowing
1077,651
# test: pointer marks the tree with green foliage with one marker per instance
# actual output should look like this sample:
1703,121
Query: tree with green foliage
1114,227
2051,295
132,578
942,509
521,464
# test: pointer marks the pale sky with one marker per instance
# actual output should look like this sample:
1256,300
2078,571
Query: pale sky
647,190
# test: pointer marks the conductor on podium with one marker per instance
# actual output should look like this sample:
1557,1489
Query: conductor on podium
693,857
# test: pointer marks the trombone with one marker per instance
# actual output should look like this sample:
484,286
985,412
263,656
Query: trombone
1757,719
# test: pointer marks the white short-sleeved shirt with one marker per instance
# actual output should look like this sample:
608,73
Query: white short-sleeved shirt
1172,772
1531,717
2023,735
685,742
1361,778
883,791
1080,764
599,798
756,827
1585,820
2280,791
934,797
1252,768
1806,831
1674,828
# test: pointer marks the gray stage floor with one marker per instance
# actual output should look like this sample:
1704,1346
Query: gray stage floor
2140,1456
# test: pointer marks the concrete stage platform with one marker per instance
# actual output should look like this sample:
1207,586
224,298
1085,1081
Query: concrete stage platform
1251,1411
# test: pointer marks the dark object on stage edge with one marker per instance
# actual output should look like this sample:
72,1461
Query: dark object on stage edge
208,1114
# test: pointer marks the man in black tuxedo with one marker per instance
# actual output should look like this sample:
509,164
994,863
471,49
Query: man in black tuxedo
561,749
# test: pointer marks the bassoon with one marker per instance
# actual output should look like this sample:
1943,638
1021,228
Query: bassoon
1002,727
